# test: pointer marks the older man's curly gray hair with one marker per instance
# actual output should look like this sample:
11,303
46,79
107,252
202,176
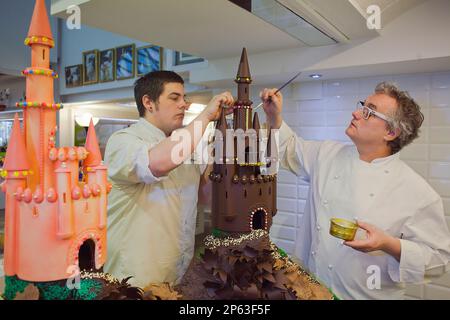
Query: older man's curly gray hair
407,117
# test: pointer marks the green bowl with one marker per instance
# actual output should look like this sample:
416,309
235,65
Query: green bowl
343,229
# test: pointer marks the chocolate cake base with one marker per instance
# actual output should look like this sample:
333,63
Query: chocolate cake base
248,266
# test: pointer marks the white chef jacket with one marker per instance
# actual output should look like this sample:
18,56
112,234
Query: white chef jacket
386,193
151,220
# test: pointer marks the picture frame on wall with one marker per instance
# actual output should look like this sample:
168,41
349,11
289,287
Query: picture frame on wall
181,58
107,63
125,61
74,76
90,67
149,58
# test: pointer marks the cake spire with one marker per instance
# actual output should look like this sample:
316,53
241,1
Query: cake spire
40,25
222,123
16,155
244,69
94,157
242,113
256,124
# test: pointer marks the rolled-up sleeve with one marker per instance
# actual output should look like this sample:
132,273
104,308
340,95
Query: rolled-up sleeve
425,248
127,159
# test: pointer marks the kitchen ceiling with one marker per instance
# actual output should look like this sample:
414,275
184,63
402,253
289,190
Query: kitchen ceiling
215,29
210,29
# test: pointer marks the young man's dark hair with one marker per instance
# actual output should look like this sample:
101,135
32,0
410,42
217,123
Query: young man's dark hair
152,85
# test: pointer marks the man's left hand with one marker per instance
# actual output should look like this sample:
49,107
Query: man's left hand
376,239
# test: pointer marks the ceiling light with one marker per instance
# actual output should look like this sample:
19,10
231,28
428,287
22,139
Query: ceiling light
131,104
84,119
315,76
196,108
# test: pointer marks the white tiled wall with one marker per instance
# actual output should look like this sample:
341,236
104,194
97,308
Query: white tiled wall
322,110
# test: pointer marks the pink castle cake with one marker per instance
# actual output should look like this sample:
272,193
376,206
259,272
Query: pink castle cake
53,221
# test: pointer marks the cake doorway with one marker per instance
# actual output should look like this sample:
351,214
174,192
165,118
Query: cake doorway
259,220
86,256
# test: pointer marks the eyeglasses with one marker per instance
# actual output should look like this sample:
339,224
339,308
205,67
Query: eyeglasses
367,112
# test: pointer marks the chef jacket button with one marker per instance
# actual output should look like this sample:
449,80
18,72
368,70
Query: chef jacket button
371,194
313,253
325,201
386,171
336,176
330,266
318,228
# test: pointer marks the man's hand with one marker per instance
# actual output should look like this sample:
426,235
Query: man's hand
272,105
376,240
212,110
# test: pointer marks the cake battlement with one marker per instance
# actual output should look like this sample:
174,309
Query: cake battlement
244,198
48,208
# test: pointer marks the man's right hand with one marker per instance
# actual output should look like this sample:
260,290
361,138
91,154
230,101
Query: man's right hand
212,110
272,105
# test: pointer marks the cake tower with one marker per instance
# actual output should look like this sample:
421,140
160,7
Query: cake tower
53,221
244,198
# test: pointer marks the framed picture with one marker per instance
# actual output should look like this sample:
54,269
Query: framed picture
80,135
185,58
125,62
107,62
74,76
90,67
149,59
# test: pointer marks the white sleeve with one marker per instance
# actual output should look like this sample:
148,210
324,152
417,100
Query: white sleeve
425,247
296,154
127,159
202,153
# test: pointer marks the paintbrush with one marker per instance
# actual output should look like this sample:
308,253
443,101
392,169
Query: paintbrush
279,89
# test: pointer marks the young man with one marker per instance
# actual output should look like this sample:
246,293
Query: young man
406,232
153,203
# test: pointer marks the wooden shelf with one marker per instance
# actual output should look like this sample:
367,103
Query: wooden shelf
11,110
8,115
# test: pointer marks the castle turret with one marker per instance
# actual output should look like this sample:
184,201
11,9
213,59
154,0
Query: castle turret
103,185
65,208
15,171
96,173
242,112
257,128
221,138
94,157
39,109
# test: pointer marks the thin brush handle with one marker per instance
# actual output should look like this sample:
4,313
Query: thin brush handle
279,89
284,85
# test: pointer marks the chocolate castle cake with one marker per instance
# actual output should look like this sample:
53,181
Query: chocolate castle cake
244,199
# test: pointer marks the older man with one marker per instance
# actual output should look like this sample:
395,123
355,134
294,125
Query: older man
406,233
